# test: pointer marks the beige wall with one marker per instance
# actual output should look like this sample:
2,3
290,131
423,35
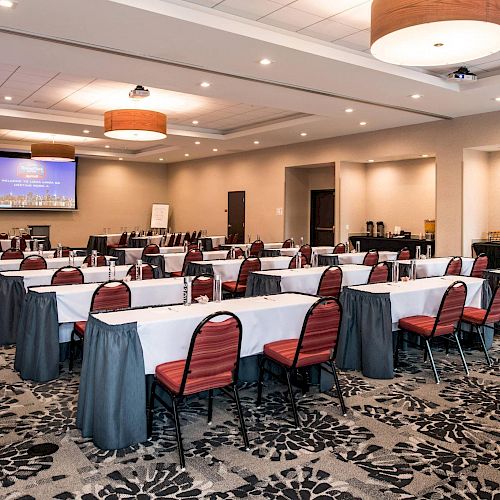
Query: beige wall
110,194
401,193
494,192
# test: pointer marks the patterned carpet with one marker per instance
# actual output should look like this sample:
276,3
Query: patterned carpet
403,438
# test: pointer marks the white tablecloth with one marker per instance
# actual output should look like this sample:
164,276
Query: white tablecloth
216,240
165,332
111,239
229,269
6,244
306,280
153,240
53,263
357,258
175,261
423,297
90,274
46,254
427,268
179,249
267,246
290,252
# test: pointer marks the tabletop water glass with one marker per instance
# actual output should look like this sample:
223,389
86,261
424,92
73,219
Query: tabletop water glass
429,251
217,288
395,271
418,252
187,291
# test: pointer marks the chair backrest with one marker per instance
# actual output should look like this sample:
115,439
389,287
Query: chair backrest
151,248
202,285
147,272
150,232
12,253
178,237
320,329
192,255
480,265
340,248
111,296
4,236
454,267
371,258
101,261
132,235
171,240
256,247
293,262
22,243
213,355
187,237
404,254
379,273
65,252
193,236
287,243
33,262
238,252
123,239
451,309
493,311
26,236
192,246
306,251
67,275
248,265
330,283
198,236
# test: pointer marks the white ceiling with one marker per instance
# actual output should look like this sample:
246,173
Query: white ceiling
69,62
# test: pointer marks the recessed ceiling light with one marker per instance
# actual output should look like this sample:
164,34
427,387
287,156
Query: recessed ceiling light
256,142
215,150
197,143
497,99
371,161
7,3
265,61
349,110
362,123
121,159
195,122
8,98
204,84
425,156
416,96
86,131
161,159
186,154
303,134
107,146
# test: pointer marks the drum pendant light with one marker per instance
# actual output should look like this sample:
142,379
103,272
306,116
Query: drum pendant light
52,152
434,32
135,125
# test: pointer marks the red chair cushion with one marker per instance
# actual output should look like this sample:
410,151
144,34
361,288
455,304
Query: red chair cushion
474,315
423,325
80,328
283,351
230,286
176,274
170,375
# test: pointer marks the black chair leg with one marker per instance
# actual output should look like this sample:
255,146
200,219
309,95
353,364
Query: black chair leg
480,331
178,432
466,368
260,383
447,346
71,351
240,416
396,353
431,358
292,400
305,382
339,390
151,408
210,406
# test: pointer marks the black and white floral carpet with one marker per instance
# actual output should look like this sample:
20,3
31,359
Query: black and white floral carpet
402,438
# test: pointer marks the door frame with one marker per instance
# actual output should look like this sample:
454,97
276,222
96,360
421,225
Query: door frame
242,238
311,212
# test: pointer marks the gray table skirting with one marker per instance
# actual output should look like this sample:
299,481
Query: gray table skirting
207,244
328,260
197,269
158,261
11,299
137,242
270,252
261,284
119,253
37,350
99,243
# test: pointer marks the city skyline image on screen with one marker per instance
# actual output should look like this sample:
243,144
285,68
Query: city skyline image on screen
38,185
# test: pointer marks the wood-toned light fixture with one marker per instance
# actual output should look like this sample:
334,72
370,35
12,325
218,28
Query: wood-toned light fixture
52,152
434,32
135,125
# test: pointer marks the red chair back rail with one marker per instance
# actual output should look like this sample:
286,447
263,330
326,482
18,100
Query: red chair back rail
12,253
404,254
32,263
256,248
147,272
371,258
340,248
111,296
480,265
306,251
68,275
330,283
454,267
202,285
379,273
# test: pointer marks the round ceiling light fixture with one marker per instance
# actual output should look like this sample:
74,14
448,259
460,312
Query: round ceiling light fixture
434,32
52,152
135,125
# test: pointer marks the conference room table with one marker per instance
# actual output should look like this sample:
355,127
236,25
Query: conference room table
436,266
334,259
122,347
43,240
132,255
143,241
229,269
304,280
174,262
52,263
211,242
100,242
371,313
14,286
290,252
243,246
49,313
46,254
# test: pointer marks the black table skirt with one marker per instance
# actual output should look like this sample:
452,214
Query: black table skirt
158,261
197,269
491,249
391,244
99,243
328,260
270,252
11,299
262,284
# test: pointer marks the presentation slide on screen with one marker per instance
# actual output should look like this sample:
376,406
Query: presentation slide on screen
26,183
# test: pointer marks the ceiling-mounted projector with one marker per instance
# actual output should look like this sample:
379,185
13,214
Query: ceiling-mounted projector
138,93
462,74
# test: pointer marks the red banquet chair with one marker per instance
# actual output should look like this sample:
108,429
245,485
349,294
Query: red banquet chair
317,345
133,234
379,273
4,236
121,244
212,363
22,243
330,283
177,242
444,324
32,263
239,287
478,318
171,240
67,275
101,261
12,253
150,249
256,248
454,267
147,272
371,258
187,237
293,262
339,248
65,252
306,251
193,255
287,243
238,252
480,265
109,296
404,254
202,285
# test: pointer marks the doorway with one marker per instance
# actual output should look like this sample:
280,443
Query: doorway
236,215
322,229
